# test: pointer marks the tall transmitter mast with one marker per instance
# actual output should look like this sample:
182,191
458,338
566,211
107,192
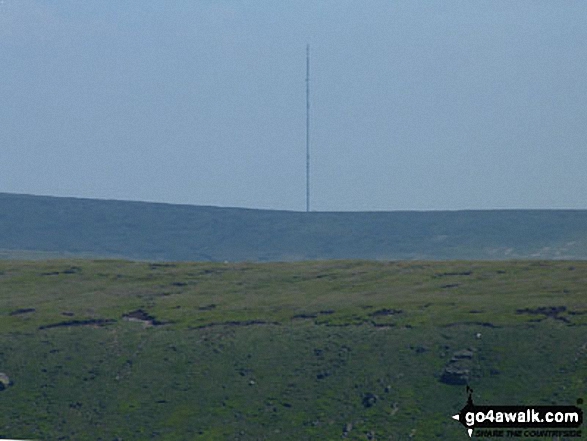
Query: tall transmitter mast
307,128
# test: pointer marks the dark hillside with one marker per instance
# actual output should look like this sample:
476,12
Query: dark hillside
151,231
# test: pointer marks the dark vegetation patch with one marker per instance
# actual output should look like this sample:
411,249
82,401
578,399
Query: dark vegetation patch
22,311
385,312
383,325
369,400
450,285
72,323
209,307
162,265
419,349
470,323
70,270
313,315
236,323
547,311
305,316
212,271
323,375
453,273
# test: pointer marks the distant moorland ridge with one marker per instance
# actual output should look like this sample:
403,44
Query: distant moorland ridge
40,226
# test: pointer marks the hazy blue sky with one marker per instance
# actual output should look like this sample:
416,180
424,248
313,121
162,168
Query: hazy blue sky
422,105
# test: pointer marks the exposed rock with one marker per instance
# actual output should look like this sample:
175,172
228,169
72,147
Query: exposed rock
4,381
139,315
347,429
457,371
394,409
369,400
455,375
462,354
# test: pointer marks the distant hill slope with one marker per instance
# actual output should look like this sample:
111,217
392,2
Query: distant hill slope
51,226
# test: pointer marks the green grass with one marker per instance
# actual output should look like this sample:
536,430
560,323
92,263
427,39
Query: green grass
281,351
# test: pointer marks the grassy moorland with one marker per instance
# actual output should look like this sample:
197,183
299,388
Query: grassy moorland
358,350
